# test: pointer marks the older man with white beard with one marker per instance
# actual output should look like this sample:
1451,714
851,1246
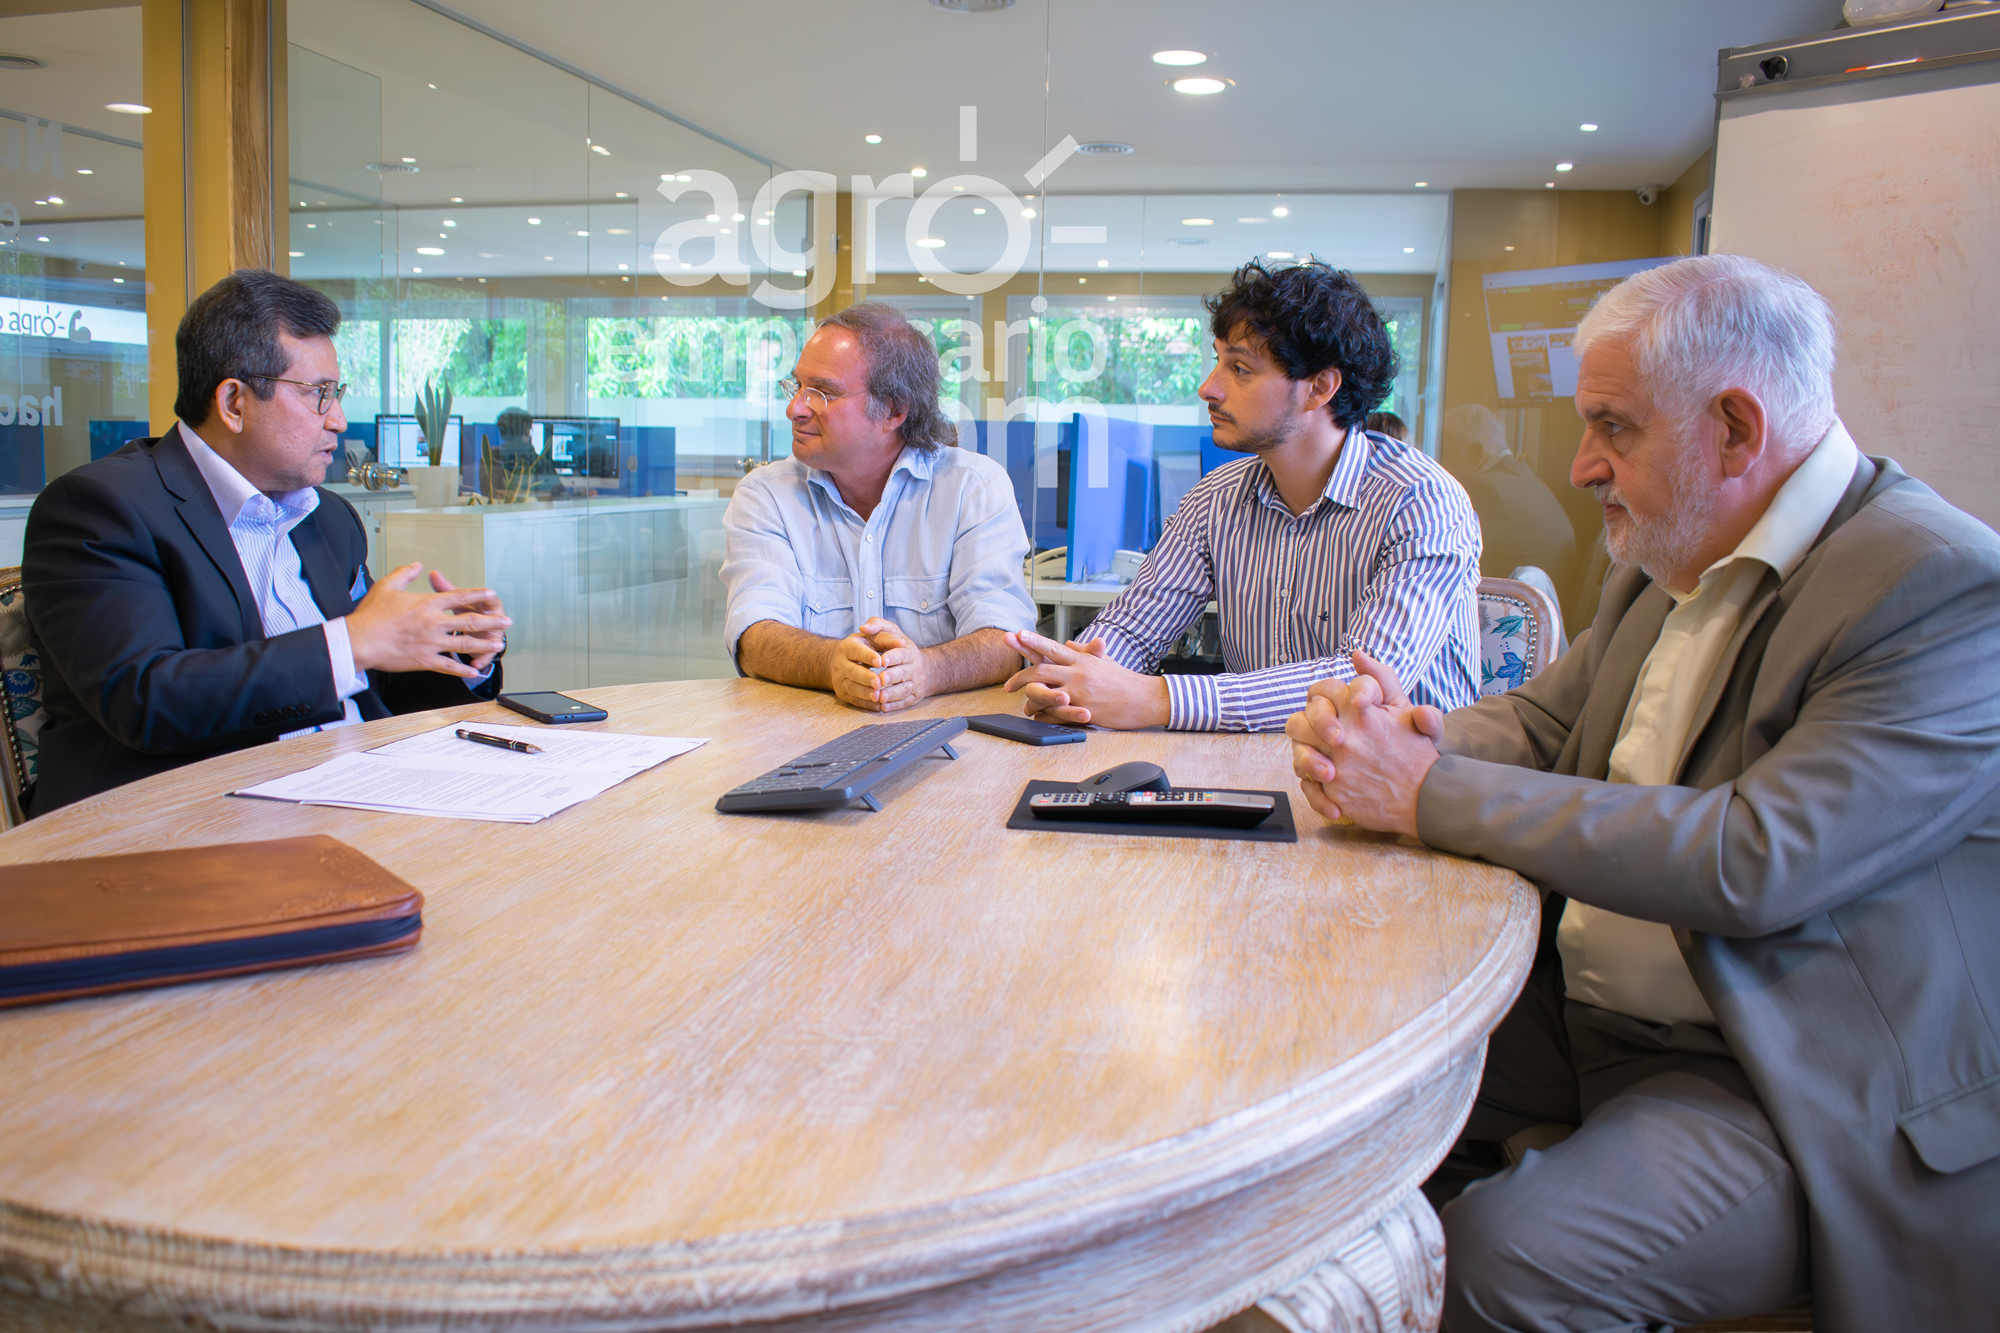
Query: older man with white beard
1760,1051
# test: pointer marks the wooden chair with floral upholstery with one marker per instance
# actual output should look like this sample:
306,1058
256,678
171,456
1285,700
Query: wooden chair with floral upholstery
22,715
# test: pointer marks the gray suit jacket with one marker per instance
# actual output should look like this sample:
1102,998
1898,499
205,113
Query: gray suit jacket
1831,864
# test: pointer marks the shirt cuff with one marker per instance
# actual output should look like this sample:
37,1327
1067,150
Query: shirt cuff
348,679
1194,703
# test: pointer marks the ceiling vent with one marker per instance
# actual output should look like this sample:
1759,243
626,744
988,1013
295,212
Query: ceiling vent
394,168
22,62
1187,240
1105,148
973,6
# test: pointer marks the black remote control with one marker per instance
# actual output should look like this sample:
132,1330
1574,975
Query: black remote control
1187,805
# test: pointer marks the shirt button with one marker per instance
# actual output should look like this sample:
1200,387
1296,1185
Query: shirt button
867,536
871,596
924,607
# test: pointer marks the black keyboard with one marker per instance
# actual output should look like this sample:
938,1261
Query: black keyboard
842,770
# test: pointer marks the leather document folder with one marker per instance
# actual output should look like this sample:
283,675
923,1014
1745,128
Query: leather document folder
112,923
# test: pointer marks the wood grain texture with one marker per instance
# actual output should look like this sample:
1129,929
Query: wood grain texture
658,1067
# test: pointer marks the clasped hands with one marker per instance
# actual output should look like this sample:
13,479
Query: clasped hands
1076,683
1361,749
879,668
393,629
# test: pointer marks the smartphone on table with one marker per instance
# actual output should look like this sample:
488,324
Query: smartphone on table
1025,729
548,706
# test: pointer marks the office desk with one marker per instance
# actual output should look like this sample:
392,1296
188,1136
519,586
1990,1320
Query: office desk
657,1067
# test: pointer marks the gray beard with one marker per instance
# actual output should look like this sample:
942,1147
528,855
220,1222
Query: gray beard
1663,546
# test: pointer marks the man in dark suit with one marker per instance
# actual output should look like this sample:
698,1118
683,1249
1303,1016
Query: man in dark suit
1760,1052
199,593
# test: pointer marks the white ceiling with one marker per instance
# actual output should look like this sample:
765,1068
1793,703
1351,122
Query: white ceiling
1329,94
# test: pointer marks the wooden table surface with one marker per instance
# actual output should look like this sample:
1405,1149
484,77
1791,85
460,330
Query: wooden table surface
655,1066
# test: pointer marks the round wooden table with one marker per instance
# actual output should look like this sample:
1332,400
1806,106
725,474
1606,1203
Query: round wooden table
658,1067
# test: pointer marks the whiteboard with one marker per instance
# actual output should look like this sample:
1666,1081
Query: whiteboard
1885,196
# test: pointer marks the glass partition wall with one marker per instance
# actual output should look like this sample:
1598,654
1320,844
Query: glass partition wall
611,296
72,251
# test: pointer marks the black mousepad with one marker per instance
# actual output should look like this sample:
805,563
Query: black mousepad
1277,826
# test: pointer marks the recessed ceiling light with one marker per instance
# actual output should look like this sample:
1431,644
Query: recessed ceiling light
918,171
415,269
1586,127
534,222
1509,247
600,150
958,189
1108,298
129,108
712,217
735,217
456,200
1565,166
433,85
1199,87
1027,212
931,243
85,171
1104,263
624,266
1179,58
429,250
121,279
583,233
446,222
1253,221
1423,185
1409,249
621,195
41,238
872,138
484,255
55,199
683,177
1549,185
978,212
1197,222
763,222
550,258
798,273
617,231
1281,211
409,159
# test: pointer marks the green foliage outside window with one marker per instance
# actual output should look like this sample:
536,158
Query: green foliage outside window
690,356
1147,358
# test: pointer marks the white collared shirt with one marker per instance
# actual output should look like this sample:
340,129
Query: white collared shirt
261,530
1618,962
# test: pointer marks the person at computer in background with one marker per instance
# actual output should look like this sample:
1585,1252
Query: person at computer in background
516,453
880,561
197,593
1325,540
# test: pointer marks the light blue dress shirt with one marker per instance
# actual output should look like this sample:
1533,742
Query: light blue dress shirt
939,557
261,529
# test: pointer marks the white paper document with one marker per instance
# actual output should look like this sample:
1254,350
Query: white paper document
437,773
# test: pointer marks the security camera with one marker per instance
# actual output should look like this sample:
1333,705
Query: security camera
1649,194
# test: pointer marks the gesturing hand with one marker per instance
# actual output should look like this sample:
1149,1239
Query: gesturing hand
878,668
393,629
1361,750
1076,683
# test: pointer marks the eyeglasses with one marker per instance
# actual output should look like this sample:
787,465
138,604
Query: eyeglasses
329,394
816,399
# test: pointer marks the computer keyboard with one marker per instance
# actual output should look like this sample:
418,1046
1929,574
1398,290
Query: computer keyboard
842,770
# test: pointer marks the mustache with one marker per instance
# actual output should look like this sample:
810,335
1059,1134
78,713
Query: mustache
1607,494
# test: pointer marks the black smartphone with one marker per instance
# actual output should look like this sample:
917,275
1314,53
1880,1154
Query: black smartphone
548,706
1025,729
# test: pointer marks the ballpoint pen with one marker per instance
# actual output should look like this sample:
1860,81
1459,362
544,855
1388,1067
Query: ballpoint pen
498,742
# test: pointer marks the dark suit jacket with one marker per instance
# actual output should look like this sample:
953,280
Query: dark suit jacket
1831,863
154,651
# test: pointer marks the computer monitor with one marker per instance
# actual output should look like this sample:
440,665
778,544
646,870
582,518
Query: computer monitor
578,446
399,442
1531,318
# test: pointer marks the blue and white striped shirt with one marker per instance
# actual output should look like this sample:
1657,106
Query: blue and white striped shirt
1385,561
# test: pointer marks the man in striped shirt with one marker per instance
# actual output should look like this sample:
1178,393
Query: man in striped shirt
1325,541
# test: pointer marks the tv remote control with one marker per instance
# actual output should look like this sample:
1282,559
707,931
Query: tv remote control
1185,805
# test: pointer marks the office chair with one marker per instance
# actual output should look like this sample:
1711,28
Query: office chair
1520,628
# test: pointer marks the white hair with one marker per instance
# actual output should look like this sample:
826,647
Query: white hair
1700,326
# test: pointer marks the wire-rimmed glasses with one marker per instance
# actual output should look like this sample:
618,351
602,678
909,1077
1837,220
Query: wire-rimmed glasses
816,399
329,394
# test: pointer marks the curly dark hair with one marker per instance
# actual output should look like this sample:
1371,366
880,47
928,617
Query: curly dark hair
1312,316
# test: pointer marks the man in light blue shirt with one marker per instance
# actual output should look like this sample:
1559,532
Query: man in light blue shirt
879,561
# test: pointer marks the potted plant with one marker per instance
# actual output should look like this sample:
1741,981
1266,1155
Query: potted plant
436,485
